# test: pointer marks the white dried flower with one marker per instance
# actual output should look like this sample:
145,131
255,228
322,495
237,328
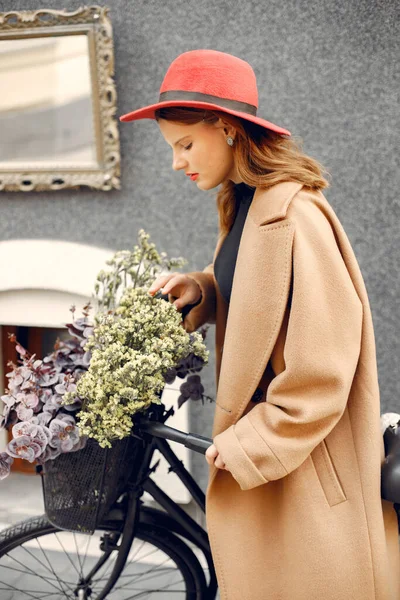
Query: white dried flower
131,350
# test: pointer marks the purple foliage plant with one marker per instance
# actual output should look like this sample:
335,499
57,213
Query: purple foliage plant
42,427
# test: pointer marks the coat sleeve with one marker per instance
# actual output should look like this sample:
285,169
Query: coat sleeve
314,361
205,310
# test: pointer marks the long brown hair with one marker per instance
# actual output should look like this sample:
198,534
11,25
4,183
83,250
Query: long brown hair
262,157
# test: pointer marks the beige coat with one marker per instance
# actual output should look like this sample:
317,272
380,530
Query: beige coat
298,516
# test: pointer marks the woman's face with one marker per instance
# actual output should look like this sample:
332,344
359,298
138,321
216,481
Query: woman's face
201,148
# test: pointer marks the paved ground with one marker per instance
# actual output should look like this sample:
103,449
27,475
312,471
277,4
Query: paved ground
20,498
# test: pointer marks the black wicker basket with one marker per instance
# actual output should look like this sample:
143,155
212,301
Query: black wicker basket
80,487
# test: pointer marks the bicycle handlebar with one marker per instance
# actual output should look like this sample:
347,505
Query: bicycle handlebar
390,468
195,442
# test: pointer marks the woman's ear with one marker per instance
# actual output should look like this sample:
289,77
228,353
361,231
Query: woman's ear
226,128
229,129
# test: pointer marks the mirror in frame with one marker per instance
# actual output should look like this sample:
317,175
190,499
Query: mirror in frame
58,127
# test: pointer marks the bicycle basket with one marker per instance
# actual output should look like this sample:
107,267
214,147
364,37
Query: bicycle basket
80,487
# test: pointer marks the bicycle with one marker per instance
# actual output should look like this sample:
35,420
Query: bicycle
113,553
128,521
135,550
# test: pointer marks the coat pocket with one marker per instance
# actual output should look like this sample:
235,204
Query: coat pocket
327,475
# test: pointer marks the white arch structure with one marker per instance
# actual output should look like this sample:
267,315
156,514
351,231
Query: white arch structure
39,281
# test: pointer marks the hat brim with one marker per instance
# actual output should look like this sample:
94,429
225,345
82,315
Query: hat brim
148,112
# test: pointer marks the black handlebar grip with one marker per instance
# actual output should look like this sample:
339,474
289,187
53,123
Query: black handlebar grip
390,473
185,309
198,443
193,441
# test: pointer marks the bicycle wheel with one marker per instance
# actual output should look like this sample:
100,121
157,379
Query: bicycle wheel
39,561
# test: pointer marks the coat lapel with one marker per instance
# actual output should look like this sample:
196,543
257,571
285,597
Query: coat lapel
259,296
248,327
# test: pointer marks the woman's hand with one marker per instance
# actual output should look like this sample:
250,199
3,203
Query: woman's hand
213,457
180,286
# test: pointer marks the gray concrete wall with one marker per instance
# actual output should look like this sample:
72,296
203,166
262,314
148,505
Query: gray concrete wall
327,70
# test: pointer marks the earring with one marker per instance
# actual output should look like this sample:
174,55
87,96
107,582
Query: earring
229,140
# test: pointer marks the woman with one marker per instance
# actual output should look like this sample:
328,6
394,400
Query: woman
293,501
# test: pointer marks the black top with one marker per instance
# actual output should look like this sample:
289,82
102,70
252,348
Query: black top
224,265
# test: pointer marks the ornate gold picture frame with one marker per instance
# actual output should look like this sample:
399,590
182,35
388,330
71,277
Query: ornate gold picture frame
58,127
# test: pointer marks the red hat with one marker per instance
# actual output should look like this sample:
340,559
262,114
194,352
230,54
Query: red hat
211,80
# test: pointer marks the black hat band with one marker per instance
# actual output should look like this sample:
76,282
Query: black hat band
199,97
